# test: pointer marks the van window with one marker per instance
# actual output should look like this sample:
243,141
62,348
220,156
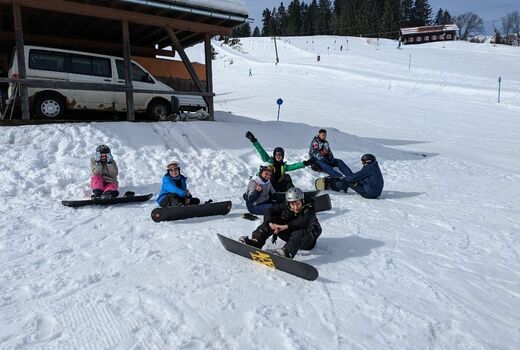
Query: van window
47,60
137,73
90,65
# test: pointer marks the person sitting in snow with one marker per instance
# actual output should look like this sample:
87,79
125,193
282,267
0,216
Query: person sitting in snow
259,191
368,182
294,221
280,180
322,155
104,174
173,190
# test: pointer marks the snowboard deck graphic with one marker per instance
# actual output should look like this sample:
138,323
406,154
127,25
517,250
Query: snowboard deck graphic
117,200
272,260
191,211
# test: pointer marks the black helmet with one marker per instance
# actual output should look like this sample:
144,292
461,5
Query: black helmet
103,149
278,150
294,194
368,158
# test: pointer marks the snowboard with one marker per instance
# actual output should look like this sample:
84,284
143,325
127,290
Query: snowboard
280,196
320,203
117,200
272,260
191,211
322,184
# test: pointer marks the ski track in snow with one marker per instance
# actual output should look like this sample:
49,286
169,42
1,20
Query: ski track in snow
434,263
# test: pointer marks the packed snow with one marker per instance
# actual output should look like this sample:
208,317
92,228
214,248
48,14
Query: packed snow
433,264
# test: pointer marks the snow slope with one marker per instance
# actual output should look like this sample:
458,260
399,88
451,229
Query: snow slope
434,263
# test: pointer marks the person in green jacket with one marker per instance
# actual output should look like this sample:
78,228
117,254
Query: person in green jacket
280,180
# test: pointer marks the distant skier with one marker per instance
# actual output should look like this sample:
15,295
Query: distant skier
104,174
368,182
259,191
322,154
295,222
174,191
280,180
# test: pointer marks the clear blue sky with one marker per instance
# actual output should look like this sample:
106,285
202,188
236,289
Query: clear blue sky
489,10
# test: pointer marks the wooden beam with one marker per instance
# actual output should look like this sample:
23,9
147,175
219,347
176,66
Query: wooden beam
77,8
20,56
130,114
209,74
81,44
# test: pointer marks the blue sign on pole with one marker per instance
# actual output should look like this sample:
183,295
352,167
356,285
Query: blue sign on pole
279,103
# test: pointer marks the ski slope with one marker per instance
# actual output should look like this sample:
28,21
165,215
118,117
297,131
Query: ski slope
433,264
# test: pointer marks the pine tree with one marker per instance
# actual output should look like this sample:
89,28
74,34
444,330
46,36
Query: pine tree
324,17
422,13
438,17
446,18
267,25
294,18
407,13
309,18
256,32
390,20
281,20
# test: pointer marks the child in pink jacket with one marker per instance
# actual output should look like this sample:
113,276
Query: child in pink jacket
104,174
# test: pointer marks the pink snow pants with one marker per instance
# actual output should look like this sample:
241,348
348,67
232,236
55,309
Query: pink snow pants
97,184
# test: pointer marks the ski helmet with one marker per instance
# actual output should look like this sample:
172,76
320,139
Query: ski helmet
173,165
294,194
278,150
266,166
103,149
368,158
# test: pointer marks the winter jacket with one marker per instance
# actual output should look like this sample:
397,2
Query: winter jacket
107,171
171,185
320,149
370,178
282,215
280,169
253,197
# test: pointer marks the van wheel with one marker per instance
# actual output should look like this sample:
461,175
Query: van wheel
159,110
48,106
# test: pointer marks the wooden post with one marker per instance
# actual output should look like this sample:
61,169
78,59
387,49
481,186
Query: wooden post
130,114
178,47
209,75
20,56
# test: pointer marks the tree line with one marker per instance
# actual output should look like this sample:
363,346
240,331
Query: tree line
369,18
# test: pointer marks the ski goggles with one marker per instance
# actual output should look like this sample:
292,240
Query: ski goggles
172,166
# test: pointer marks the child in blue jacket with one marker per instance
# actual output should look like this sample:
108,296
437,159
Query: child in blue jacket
173,190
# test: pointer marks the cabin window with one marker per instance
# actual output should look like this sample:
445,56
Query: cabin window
419,39
410,40
434,37
426,38
448,36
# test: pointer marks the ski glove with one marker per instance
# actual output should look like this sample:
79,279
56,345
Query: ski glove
308,162
250,136
110,159
97,157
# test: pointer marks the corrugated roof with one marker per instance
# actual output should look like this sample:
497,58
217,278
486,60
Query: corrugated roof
430,29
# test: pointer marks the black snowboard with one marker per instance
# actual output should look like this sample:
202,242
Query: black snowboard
117,200
191,211
272,260
280,196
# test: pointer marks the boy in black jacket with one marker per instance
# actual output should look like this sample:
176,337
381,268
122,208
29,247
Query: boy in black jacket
294,222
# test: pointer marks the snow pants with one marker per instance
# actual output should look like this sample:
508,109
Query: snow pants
283,184
328,167
342,185
97,184
173,200
294,240
261,208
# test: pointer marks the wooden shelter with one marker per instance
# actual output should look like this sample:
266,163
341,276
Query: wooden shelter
426,34
114,27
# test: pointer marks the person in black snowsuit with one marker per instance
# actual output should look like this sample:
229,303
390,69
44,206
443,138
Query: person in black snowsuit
295,222
368,182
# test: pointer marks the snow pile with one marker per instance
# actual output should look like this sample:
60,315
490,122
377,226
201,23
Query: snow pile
432,264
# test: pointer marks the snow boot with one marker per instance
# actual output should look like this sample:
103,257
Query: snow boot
109,194
249,241
249,216
129,194
96,194
282,252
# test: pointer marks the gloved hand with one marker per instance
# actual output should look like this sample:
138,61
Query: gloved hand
97,157
110,159
250,136
310,161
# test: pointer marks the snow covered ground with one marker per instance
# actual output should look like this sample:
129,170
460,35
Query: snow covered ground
434,263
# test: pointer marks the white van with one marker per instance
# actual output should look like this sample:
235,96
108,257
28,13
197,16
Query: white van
74,66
